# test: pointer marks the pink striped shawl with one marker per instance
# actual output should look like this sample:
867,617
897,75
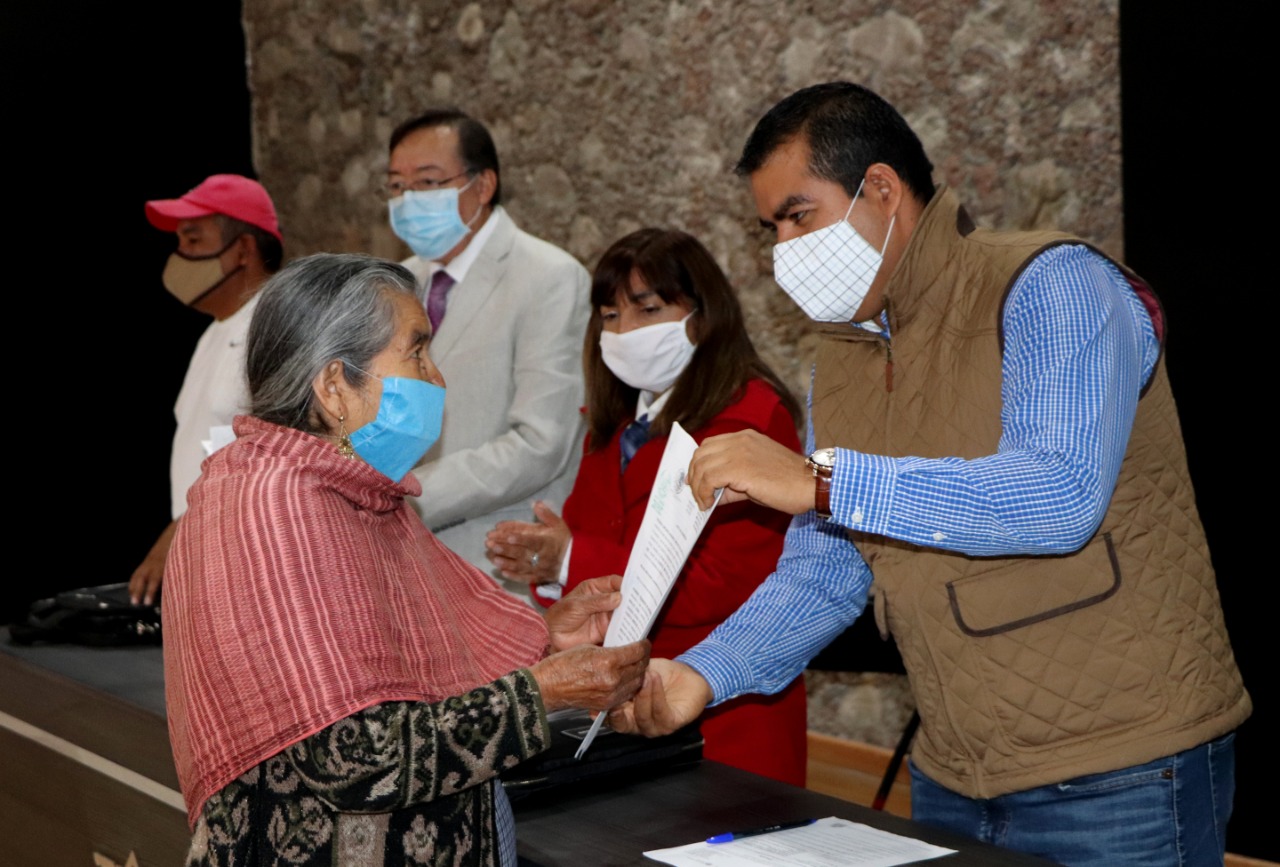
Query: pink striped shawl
300,589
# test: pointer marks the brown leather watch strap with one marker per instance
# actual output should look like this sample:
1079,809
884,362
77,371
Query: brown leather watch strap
822,491
822,464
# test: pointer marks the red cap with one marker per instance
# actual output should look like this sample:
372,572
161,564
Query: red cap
230,195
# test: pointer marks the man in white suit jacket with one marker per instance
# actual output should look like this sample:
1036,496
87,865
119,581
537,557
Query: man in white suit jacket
509,314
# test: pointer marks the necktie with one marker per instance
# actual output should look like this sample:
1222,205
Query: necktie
441,283
633,437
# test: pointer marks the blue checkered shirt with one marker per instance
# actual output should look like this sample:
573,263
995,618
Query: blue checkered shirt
1079,346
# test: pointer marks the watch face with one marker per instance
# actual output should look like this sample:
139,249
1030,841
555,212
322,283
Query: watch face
824,457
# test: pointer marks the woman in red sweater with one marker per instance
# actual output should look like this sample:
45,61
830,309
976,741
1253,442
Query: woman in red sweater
667,343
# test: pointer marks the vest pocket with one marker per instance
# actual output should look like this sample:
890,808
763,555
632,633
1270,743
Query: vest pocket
1030,590
1057,656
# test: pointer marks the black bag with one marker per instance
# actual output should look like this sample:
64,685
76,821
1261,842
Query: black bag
611,755
99,616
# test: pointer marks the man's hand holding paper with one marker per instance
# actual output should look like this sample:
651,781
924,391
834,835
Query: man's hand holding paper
673,696
747,465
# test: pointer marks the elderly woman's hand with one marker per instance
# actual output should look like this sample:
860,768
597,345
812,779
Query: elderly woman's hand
594,678
582,617
530,552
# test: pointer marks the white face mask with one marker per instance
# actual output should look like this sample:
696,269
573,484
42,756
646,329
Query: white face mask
829,271
649,358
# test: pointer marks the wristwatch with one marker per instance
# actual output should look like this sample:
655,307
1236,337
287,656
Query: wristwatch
822,462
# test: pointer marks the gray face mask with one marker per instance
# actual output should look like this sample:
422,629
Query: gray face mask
829,271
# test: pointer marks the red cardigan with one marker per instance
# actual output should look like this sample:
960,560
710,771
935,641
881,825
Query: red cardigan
737,550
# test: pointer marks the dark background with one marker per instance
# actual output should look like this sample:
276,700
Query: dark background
105,112
1189,146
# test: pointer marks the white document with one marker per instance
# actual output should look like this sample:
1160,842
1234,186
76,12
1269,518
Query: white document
829,842
672,523
219,435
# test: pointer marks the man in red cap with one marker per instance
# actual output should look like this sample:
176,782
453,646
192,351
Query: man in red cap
228,244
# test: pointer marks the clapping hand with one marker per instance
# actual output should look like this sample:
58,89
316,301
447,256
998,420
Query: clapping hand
526,552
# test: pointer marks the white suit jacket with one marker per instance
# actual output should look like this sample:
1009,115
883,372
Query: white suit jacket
510,351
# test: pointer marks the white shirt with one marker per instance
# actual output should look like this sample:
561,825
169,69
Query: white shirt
648,405
213,392
461,264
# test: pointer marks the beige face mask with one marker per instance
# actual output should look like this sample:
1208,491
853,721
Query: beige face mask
190,278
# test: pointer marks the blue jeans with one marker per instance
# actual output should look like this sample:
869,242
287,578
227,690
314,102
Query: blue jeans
1168,813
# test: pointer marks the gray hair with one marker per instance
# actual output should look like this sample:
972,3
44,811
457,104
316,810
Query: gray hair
317,310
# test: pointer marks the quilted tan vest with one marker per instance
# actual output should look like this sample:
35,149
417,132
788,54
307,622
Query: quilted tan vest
1026,670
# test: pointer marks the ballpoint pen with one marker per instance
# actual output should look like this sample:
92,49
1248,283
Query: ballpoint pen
756,832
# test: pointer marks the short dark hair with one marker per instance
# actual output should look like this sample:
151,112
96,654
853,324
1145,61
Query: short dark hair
677,267
847,127
475,145
270,250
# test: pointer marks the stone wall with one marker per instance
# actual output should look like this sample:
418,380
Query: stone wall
610,116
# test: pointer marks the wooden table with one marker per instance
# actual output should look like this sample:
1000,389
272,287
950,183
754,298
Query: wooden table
86,774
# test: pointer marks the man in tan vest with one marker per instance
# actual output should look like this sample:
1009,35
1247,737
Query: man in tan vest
1001,453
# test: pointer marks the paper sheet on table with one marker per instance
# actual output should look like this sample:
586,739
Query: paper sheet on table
829,842
671,525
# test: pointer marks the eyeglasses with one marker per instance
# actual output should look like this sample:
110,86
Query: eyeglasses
393,189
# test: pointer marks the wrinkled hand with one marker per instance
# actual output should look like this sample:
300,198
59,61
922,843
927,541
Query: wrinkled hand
582,617
673,696
146,579
526,552
750,465
594,678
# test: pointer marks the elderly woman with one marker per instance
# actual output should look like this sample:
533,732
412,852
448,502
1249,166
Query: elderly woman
666,343
342,689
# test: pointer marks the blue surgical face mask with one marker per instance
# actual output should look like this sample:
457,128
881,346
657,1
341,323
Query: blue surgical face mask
407,424
428,220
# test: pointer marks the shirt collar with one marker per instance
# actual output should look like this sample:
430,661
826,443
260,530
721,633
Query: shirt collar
457,269
650,405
